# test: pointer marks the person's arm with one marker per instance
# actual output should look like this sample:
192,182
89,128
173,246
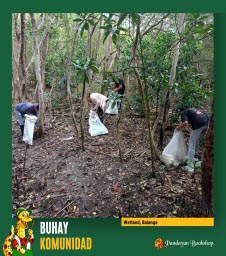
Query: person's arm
94,107
181,125
95,104
118,88
37,124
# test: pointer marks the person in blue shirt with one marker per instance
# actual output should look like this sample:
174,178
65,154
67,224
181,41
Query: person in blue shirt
25,108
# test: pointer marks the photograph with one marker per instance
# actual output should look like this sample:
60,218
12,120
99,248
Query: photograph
112,114
113,131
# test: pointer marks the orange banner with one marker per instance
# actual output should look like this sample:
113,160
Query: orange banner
167,222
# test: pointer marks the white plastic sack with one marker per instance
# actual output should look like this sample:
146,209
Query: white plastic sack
175,152
110,110
29,125
96,127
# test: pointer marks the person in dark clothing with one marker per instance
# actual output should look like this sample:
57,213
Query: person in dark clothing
63,86
199,122
25,108
119,87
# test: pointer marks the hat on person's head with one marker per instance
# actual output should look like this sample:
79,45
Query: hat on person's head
21,209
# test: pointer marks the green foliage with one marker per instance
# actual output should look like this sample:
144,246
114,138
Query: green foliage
134,16
136,103
85,67
191,95
115,97
194,75
85,20
111,27
124,46
104,84
157,54
158,63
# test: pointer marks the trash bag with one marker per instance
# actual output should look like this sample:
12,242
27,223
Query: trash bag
96,127
29,125
175,152
110,110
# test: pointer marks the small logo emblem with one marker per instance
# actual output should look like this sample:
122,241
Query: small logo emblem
159,243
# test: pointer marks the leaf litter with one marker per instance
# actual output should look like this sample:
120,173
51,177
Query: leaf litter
61,180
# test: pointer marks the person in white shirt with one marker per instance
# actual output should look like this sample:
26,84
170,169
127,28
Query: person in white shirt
99,103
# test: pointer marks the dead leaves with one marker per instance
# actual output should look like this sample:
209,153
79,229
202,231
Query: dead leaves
62,180
116,188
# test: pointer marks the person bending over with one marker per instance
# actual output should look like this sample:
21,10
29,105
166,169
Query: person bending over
199,122
99,103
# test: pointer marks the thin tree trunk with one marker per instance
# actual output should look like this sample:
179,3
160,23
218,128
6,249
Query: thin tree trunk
16,79
23,78
44,51
144,102
118,134
180,23
98,41
207,169
44,38
38,75
16,91
73,116
89,43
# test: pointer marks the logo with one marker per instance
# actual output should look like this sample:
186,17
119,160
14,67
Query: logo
19,243
159,243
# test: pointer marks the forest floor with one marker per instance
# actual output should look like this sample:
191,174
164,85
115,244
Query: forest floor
58,179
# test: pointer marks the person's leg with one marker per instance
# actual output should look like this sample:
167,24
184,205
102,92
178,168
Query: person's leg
20,120
19,117
22,130
194,139
193,142
119,104
203,129
100,114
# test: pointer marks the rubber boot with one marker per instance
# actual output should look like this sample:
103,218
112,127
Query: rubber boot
20,140
22,130
35,135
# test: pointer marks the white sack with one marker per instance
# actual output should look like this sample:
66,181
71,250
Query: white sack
175,152
96,127
29,125
110,110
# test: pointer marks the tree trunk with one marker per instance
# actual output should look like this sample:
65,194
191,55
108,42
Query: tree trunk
43,46
164,111
23,78
207,169
16,82
98,40
16,79
144,100
73,111
38,74
44,51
